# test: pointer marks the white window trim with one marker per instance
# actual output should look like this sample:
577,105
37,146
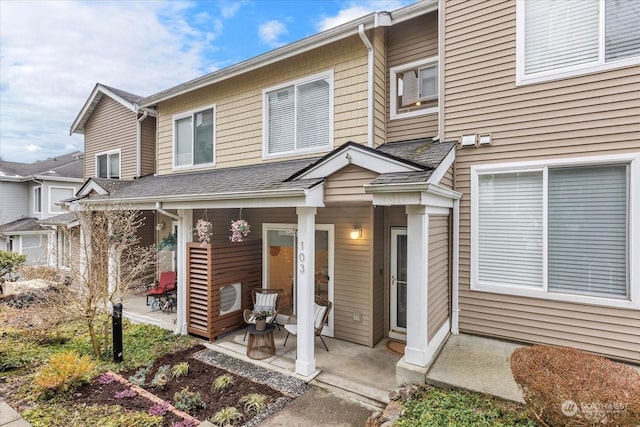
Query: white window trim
190,113
393,78
109,153
633,159
572,71
328,75
35,199
63,187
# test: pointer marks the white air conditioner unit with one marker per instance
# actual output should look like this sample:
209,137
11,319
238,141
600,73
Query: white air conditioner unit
230,298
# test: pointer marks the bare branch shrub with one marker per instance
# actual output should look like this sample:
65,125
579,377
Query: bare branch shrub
569,387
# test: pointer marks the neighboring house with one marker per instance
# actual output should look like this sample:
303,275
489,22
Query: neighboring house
29,195
410,167
550,213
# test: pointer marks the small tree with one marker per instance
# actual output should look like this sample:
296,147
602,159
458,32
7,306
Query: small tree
105,241
9,263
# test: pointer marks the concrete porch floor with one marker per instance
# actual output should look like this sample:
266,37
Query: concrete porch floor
135,308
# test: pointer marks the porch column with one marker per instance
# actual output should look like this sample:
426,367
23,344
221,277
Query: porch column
112,268
416,350
185,235
305,253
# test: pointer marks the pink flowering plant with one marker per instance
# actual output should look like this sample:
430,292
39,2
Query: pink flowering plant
203,230
239,229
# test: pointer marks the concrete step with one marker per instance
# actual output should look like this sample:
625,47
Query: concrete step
366,396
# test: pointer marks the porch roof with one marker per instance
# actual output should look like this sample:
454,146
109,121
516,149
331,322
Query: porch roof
62,219
20,225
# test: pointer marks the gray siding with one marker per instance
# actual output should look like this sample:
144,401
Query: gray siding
15,201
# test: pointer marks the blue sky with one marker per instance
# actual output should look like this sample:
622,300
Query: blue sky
52,53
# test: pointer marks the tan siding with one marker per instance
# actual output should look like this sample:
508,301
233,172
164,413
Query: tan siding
378,275
447,179
380,87
148,146
438,291
588,115
411,41
111,126
347,185
239,103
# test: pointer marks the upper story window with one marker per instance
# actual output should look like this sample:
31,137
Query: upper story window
298,116
414,88
559,230
57,194
193,138
558,39
37,200
108,165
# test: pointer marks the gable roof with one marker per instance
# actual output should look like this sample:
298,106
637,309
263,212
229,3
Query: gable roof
126,99
20,225
65,167
323,38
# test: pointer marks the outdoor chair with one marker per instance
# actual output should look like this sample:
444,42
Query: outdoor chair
322,307
264,299
160,295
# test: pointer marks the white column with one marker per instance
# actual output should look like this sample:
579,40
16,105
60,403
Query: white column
305,362
416,351
185,235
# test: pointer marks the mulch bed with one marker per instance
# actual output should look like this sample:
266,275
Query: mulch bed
199,379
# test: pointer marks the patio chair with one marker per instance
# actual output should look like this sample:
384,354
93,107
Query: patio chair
160,293
322,307
264,299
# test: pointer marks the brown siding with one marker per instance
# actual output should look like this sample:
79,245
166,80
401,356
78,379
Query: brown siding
411,41
438,291
148,146
239,103
111,126
347,185
587,115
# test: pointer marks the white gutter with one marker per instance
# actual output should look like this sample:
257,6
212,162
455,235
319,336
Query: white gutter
166,213
414,187
139,141
367,44
455,286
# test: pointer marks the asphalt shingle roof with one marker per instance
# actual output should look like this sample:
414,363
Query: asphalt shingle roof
65,166
22,224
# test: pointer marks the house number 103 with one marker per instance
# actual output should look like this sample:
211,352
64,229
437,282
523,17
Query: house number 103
301,258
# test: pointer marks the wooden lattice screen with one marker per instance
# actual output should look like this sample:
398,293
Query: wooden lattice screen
211,267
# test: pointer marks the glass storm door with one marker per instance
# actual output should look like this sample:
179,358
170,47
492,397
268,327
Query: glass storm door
398,284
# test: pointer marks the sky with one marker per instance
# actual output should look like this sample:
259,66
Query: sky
52,53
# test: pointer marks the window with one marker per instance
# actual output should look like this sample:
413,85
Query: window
64,250
557,230
298,116
37,199
563,38
108,165
193,138
57,194
414,89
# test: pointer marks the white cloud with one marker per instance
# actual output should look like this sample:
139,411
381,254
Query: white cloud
53,53
32,148
271,31
356,9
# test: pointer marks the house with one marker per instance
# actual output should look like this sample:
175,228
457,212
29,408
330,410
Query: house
417,170
29,195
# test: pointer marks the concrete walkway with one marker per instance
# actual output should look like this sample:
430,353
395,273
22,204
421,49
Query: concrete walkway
10,418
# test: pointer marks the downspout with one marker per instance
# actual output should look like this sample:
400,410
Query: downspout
139,142
166,213
370,64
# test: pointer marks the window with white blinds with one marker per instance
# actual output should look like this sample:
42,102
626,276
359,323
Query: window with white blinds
588,230
576,35
557,230
510,228
193,136
298,117
414,89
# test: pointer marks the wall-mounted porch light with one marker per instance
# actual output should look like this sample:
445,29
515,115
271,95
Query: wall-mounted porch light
356,233
160,226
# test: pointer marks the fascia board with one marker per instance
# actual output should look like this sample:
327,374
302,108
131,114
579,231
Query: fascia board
357,156
443,167
97,93
90,186
57,178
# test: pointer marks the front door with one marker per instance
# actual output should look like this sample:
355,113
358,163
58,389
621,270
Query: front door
398,284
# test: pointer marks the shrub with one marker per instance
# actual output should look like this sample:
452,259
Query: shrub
162,377
180,370
227,416
9,263
223,382
569,387
105,379
65,371
254,402
159,408
187,400
140,377
44,272
125,394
